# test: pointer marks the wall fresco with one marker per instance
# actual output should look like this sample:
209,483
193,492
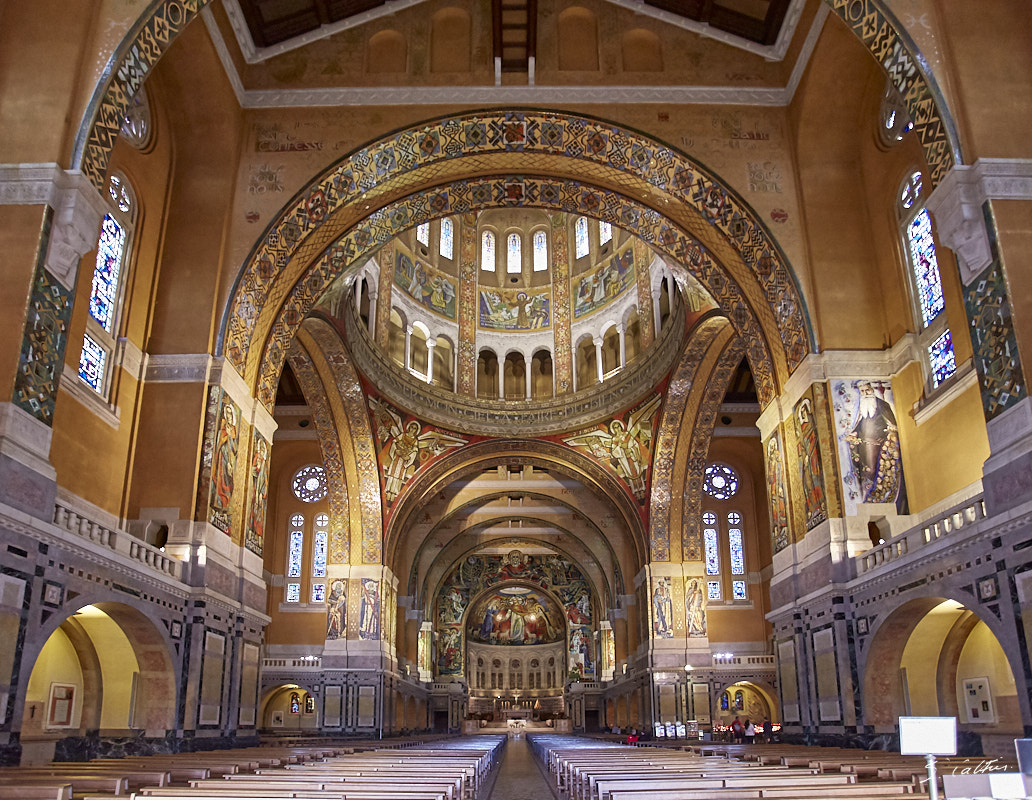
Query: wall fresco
515,309
426,285
604,284
254,535
868,444
811,466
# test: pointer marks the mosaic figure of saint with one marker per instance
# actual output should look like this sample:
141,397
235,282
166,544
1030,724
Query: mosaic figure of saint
336,610
874,449
695,603
223,462
810,467
407,444
625,444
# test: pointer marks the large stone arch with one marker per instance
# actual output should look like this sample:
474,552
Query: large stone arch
353,208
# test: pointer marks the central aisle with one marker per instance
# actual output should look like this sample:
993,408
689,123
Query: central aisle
520,775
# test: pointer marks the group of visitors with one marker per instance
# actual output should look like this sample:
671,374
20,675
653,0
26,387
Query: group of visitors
745,732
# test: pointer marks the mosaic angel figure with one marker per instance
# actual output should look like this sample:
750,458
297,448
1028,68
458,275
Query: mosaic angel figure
627,445
407,444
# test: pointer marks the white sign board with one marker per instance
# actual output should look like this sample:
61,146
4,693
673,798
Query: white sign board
922,736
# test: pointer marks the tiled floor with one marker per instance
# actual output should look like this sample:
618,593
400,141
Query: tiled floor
520,775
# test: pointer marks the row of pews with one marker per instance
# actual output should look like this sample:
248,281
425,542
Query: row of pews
589,769
447,769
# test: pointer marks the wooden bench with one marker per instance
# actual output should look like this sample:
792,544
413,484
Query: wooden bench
40,791
112,784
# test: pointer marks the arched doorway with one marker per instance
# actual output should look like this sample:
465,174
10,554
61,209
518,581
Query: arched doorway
106,667
936,657
289,707
746,700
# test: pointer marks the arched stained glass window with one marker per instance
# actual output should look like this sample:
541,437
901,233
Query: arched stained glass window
514,254
725,702
739,700
423,234
447,238
712,546
580,237
925,266
540,251
734,539
106,288
487,251
309,704
320,540
605,233
916,227
295,703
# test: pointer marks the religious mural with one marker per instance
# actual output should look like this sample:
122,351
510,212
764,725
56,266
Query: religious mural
403,444
868,444
777,493
337,611
427,286
524,572
605,283
662,608
219,459
695,606
624,445
515,615
811,469
515,309
254,536
369,610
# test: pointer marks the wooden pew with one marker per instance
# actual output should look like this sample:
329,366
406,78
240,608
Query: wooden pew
112,784
40,791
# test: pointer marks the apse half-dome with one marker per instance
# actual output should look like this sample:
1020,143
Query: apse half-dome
515,615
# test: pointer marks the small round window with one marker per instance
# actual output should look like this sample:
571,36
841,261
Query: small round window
721,482
310,484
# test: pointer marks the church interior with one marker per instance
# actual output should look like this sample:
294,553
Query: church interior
433,366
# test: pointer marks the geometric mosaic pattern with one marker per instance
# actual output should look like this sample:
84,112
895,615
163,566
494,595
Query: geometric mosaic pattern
312,241
995,344
552,194
887,41
44,340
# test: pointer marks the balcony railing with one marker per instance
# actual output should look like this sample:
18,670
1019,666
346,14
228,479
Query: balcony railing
967,515
81,527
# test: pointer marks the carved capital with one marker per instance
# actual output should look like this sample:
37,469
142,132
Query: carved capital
957,204
78,209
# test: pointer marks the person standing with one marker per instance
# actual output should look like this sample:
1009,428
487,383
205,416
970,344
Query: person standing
768,731
737,730
750,732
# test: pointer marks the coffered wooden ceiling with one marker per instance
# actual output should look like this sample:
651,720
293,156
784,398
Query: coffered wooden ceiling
274,21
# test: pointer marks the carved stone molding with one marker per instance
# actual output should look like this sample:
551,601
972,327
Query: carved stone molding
78,209
957,204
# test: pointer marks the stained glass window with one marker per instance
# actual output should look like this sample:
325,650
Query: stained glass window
310,484
309,704
318,592
725,702
738,590
104,294
297,541
709,536
739,700
720,482
423,234
580,237
319,554
92,362
297,520
925,265
295,703
540,251
713,590
942,358
487,251
447,238
911,191
734,538
605,233
514,254
293,592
